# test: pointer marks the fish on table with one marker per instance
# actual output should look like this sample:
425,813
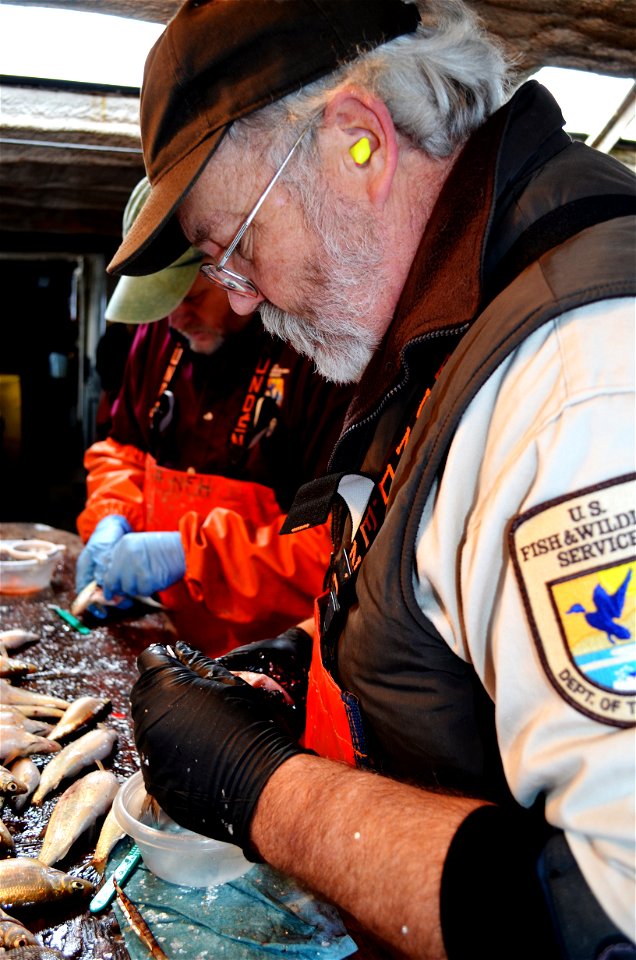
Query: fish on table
7,843
138,924
26,882
81,805
16,638
21,695
11,785
33,711
14,934
11,716
80,713
109,835
27,774
36,952
18,742
12,668
87,749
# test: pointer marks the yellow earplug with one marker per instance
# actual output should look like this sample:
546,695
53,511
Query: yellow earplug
361,151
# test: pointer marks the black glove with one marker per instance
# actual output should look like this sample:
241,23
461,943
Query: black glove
285,659
207,745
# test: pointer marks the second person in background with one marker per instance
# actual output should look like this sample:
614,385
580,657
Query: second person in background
216,426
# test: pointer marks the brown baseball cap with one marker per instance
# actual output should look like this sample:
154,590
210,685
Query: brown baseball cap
218,61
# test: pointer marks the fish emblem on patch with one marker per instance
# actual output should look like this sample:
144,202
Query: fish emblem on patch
575,560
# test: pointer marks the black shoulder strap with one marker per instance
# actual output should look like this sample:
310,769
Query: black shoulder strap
553,229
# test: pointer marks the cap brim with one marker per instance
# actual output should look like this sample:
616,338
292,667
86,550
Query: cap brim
155,239
146,299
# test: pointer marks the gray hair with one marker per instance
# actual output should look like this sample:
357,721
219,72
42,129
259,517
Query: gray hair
439,84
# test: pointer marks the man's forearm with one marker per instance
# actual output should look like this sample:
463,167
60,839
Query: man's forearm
371,845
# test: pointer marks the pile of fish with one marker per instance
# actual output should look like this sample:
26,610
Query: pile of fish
67,738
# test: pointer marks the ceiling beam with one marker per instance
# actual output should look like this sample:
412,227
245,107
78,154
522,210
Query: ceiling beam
598,35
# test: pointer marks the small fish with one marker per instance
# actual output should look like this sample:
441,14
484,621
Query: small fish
138,924
33,710
11,714
110,834
92,593
18,742
92,746
7,844
13,933
28,776
41,727
84,802
15,669
20,695
151,813
11,785
25,882
12,717
81,712
36,952
14,639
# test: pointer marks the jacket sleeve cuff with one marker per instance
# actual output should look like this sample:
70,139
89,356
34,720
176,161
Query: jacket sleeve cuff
90,517
491,902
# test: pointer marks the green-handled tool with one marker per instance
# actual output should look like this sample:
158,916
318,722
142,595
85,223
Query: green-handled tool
70,619
106,893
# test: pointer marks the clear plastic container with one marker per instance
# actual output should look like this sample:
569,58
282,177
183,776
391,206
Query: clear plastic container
26,566
171,852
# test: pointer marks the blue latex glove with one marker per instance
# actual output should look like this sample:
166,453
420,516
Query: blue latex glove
143,563
95,557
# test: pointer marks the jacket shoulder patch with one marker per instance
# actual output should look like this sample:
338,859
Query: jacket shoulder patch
574,560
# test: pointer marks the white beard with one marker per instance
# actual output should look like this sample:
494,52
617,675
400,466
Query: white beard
340,351
336,322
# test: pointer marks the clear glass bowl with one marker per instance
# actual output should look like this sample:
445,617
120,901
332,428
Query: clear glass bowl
171,852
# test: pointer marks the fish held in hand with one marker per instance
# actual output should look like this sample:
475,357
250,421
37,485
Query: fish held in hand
81,712
89,595
84,802
94,594
26,882
92,746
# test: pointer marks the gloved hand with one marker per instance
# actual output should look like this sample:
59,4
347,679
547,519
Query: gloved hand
143,563
285,659
207,745
93,560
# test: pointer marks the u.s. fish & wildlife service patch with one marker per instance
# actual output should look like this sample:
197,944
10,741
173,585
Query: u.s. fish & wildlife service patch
575,560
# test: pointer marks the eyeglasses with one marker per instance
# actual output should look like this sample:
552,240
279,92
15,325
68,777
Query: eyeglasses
216,271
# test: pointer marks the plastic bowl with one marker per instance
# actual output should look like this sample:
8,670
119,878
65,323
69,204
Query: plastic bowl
171,852
31,573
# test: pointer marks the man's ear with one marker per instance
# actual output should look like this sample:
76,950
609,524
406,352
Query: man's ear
361,142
